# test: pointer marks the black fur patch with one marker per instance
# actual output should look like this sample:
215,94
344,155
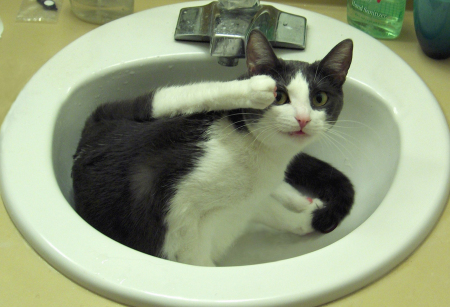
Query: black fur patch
118,149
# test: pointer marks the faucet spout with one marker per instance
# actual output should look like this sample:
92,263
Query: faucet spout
226,24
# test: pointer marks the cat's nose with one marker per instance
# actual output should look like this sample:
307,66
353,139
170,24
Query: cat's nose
303,121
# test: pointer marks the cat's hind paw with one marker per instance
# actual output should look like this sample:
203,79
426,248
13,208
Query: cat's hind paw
262,91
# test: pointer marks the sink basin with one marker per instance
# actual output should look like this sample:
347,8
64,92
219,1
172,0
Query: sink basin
401,176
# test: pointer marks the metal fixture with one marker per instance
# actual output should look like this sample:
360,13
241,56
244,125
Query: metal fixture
226,24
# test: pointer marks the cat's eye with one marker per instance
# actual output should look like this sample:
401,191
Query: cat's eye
320,99
281,98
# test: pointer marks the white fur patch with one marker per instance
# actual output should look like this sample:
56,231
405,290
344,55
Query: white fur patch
256,92
214,202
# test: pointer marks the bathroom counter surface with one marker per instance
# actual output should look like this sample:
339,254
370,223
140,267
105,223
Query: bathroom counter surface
423,279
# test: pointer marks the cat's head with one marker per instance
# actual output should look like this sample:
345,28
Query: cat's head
309,96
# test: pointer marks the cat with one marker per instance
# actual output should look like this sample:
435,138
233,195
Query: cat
179,173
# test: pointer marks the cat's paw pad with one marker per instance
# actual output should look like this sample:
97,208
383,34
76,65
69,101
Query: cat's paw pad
308,203
262,91
317,203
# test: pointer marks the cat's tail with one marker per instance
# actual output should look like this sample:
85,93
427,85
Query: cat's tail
326,183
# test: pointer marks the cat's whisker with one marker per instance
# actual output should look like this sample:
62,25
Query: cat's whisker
242,113
271,132
346,141
245,120
339,143
341,124
338,146
326,144
277,73
357,141
337,133
343,135
261,131
315,75
329,75
234,123
260,135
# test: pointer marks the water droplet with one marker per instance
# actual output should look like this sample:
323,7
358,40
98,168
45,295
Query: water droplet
348,163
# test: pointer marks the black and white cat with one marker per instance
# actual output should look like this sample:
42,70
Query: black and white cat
180,173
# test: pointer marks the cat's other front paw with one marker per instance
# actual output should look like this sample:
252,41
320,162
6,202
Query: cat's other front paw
262,91
304,203
301,223
324,220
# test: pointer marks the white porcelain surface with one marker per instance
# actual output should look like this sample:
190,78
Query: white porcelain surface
396,152
1,27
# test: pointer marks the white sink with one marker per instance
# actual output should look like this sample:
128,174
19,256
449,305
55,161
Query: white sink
396,151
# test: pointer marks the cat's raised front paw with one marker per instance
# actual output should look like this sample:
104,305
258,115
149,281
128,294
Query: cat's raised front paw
262,91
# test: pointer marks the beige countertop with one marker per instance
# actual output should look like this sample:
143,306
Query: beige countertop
26,279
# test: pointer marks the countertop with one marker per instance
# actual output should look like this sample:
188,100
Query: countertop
26,279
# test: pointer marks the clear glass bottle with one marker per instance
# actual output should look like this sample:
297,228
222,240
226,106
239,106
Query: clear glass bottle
101,11
379,18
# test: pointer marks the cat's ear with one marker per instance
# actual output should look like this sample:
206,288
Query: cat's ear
337,62
260,56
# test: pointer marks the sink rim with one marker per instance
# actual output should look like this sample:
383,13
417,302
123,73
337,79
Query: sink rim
284,285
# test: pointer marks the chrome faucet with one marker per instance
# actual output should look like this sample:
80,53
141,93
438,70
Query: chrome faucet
226,24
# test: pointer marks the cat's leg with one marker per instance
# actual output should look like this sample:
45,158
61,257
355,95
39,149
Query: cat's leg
185,244
325,182
319,179
257,92
203,239
274,214
195,254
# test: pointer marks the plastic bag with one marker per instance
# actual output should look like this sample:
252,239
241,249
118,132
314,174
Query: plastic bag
39,11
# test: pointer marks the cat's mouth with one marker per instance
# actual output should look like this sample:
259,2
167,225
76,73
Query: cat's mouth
299,132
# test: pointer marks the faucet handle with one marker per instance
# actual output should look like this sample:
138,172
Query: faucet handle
290,32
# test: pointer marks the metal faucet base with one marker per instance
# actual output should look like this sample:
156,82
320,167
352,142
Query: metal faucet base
227,29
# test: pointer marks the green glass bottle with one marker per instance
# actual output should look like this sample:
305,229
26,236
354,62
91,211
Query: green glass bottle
379,18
